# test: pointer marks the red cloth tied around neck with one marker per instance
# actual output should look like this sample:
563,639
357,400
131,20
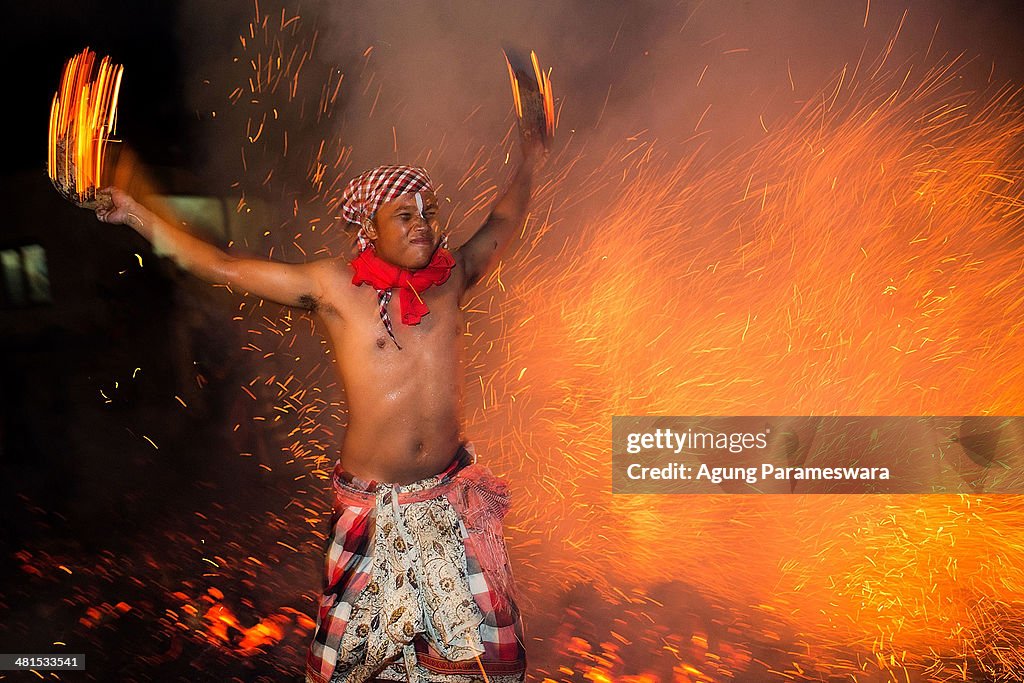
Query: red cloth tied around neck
381,275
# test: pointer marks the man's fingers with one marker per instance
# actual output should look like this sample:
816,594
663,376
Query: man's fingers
104,202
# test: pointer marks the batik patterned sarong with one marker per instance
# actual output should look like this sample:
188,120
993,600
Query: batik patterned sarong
418,584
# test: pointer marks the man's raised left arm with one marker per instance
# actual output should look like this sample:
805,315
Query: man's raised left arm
480,254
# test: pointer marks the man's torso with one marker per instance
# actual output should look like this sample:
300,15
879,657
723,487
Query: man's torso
404,405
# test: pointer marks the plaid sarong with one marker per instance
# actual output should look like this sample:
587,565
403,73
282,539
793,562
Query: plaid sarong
418,584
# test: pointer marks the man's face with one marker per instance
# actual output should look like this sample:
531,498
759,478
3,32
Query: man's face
404,234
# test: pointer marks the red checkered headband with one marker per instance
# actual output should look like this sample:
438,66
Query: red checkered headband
367,191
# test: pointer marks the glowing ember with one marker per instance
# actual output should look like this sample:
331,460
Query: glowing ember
82,119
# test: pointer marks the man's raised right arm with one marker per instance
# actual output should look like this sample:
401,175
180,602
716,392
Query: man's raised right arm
292,284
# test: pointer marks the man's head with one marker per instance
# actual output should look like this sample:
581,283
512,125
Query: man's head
396,209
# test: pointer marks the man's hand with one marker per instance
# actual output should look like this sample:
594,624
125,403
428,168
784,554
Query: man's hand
535,148
118,207
534,132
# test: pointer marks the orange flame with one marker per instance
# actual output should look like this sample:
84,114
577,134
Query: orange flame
82,118
221,622
544,93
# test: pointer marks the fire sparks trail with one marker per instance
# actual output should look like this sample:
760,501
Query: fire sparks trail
864,257
861,259
83,116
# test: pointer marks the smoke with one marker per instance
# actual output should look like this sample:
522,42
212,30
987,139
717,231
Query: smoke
702,82
425,82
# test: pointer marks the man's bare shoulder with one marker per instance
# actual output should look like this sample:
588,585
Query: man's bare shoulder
334,286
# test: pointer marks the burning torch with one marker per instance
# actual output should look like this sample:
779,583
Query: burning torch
83,116
531,95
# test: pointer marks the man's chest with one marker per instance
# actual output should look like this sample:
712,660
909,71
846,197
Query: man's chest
366,318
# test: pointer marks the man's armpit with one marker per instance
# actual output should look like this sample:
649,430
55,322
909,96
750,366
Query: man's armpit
315,305
309,302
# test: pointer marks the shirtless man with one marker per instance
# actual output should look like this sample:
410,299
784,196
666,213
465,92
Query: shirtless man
417,577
